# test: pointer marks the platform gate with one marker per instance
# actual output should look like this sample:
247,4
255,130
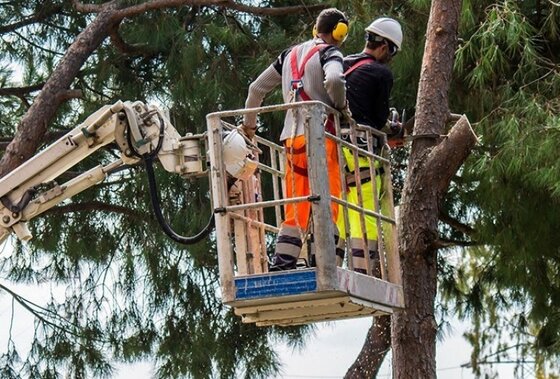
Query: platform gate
248,219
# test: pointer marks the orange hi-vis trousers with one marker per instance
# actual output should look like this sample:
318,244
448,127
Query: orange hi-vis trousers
292,230
297,181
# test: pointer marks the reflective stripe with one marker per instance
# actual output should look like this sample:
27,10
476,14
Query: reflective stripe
289,241
290,152
357,244
360,263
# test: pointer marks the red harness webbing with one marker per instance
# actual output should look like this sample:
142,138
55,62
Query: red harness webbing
358,64
297,72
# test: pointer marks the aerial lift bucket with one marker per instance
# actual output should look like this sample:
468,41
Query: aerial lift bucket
249,214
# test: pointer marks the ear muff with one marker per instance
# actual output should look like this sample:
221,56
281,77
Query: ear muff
340,31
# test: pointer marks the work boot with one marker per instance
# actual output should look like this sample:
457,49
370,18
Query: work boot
282,262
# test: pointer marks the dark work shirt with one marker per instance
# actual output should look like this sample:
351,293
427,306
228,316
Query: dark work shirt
368,88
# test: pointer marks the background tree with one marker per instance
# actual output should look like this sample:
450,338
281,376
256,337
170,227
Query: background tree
506,79
146,297
506,200
432,164
130,292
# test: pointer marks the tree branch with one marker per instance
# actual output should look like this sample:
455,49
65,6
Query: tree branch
157,4
277,11
87,8
34,123
446,158
69,94
98,206
442,243
20,91
37,46
455,224
126,48
43,14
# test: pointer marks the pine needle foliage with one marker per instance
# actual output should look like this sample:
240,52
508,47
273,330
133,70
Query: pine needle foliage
508,80
130,294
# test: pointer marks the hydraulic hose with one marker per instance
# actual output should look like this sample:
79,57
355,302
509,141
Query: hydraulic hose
148,159
159,215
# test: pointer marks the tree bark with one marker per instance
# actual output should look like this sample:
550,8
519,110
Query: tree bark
378,342
57,88
55,91
431,167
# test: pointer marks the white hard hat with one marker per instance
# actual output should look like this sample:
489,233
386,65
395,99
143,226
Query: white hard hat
387,28
236,156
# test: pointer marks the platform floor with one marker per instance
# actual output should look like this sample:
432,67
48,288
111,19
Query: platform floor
291,297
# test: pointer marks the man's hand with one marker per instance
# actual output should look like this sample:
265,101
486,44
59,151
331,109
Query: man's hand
248,131
346,117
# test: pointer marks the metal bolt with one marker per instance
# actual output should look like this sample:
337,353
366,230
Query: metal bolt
6,219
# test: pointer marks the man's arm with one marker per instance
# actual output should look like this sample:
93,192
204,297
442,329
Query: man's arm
266,82
334,77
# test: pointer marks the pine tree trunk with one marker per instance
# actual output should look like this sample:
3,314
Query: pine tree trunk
378,342
56,90
428,176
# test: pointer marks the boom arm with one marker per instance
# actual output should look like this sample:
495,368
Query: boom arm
137,129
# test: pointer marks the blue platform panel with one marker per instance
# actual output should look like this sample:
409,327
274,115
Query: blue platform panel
284,283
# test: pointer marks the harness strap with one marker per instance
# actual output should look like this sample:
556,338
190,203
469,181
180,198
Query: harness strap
358,64
290,152
294,151
364,175
301,171
297,72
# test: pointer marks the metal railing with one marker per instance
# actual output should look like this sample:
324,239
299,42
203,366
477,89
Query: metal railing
250,213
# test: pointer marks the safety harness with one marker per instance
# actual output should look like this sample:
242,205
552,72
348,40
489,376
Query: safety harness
357,65
297,72
298,90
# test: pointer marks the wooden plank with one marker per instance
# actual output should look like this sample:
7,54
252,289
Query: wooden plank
335,308
322,318
390,230
235,196
301,302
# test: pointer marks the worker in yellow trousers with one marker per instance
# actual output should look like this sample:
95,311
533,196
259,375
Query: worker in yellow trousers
368,86
355,228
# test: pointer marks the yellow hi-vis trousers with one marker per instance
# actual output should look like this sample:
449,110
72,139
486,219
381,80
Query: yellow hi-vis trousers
354,229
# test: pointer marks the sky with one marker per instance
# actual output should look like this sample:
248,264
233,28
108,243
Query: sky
336,345
326,355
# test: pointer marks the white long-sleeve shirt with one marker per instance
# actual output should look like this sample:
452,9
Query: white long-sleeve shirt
323,80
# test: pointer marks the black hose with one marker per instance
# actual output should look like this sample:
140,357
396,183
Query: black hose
159,215
148,159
